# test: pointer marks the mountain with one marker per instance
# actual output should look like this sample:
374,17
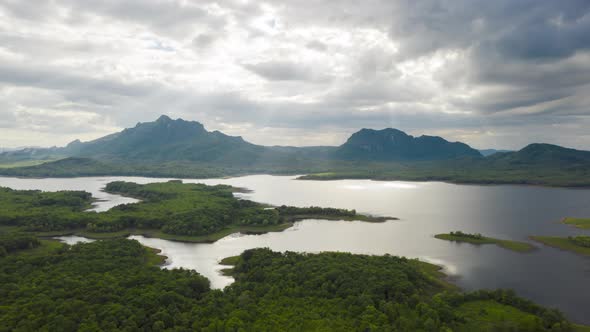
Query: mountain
541,154
167,140
489,152
395,145
26,154
185,149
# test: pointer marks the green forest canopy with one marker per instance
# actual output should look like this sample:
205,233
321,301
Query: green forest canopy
112,286
172,207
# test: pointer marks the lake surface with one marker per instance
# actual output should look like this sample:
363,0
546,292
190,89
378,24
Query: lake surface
547,276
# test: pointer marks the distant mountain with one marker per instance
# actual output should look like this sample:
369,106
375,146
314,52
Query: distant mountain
392,144
489,152
168,140
185,149
35,153
543,155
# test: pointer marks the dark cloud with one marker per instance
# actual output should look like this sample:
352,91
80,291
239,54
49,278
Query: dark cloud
281,71
482,71
54,78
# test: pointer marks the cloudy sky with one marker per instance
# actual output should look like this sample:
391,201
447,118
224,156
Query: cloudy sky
494,74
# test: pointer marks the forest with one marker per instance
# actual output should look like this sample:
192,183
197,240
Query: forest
170,207
113,285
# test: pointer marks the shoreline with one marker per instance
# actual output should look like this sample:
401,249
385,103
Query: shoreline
515,246
563,244
299,177
461,183
209,238
157,234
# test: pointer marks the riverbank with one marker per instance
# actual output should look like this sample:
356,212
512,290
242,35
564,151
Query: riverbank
154,233
582,223
480,240
209,238
488,177
562,243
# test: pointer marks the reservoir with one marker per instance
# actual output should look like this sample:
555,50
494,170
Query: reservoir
547,276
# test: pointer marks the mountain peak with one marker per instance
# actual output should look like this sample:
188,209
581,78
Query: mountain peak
75,142
393,144
164,118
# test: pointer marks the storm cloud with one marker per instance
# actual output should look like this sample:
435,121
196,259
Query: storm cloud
495,74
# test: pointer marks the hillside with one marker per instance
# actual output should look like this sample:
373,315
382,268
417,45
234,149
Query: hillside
392,144
539,154
179,140
185,149
169,140
536,164
489,152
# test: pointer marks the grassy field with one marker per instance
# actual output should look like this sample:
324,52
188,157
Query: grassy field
562,243
506,244
583,223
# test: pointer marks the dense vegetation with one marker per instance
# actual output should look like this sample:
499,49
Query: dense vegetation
48,211
479,239
103,286
13,242
171,207
112,286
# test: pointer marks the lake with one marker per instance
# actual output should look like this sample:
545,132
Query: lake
547,276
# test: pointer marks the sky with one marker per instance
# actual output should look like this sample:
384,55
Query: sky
493,74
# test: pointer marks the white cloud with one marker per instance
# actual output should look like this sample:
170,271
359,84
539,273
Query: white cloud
297,72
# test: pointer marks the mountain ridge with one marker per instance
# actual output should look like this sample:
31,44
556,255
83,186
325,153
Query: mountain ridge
391,144
166,139
185,149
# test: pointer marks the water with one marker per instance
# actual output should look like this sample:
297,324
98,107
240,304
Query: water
547,276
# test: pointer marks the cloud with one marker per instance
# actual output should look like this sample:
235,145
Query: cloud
281,71
492,73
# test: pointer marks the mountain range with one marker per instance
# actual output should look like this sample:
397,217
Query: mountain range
178,140
180,148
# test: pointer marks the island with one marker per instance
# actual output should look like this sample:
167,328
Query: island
478,239
170,210
583,223
578,244
115,284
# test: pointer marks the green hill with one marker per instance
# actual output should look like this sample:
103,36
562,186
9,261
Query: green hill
392,144
540,154
179,148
